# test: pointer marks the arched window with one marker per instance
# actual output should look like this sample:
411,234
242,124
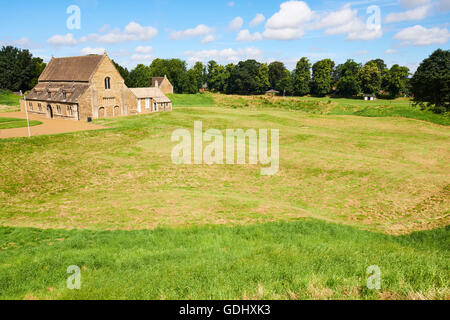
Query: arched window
107,83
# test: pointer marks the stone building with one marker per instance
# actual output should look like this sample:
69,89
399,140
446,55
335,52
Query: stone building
162,83
151,100
81,88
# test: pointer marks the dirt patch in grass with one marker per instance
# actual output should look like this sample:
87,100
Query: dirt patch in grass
43,126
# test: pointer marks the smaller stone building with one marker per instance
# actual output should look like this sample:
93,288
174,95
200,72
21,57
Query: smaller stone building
162,83
151,100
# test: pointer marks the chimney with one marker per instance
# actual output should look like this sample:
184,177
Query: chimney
156,84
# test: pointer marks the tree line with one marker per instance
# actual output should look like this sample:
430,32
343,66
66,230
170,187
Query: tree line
429,86
252,77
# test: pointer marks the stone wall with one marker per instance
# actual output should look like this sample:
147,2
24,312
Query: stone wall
166,87
116,101
60,110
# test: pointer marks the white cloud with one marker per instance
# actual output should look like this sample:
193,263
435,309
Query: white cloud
24,43
65,40
413,3
246,36
134,29
209,38
143,49
444,5
231,4
283,34
257,20
289,22
391,51
346,21
133,32
200,31
361,53
89,50
236,24
120,53
420,36
104,29
141,57
225,55
416,14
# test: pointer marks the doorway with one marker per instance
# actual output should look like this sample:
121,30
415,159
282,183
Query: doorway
101,113
50,111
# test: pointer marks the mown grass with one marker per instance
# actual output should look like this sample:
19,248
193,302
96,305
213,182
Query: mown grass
335,106
11,123
306,259
383,174
198,100
9,102
9,99
112,202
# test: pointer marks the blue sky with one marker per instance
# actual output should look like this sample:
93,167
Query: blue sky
135,31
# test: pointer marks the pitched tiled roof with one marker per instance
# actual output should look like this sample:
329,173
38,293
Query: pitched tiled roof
57,89
78,69
159,79
155,93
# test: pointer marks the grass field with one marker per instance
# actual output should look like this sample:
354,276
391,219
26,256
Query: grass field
11,123
352,191
9,102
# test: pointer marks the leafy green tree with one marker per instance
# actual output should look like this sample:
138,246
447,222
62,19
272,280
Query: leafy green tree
430,84
199,71
277,71
140,77
123,72
39,66
229,86
19,70
286,84
322,77
370,78
302,77
216,76
189,82
250,77
381,66
174,69
396,80
346,76
263,82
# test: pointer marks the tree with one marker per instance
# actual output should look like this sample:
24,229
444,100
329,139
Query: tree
370,78
302,77
199,72
277,71
250,77
431,82
189,82
381,66
216,76
39,66
286,84
174,69
123,72
229,86
396,80
19,70
140,77
322,77
346,76
262,80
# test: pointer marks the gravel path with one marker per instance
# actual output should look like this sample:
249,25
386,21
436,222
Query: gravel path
48,126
